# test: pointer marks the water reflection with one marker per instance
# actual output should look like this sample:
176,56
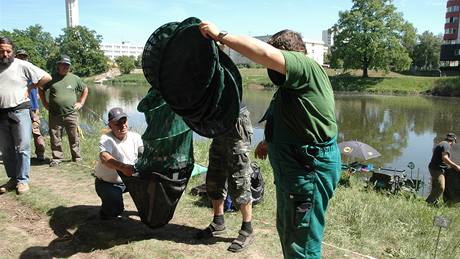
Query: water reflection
402,128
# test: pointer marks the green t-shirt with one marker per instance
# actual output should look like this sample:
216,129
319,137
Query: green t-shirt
302,109
63,93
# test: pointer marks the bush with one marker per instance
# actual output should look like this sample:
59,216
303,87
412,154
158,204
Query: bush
126,64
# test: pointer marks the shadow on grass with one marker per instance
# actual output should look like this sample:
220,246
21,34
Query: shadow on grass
79,230
353,83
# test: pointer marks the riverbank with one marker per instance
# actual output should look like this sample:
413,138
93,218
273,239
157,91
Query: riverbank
58,218
377,83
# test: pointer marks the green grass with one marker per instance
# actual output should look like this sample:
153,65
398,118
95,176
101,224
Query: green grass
377,83
364,221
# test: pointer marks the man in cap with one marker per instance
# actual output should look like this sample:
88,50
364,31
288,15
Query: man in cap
300,136
67,95
118,150
16,78
440,161
39,141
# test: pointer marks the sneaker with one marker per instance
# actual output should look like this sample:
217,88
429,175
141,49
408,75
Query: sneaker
41,158
8,186
54,163
211,231
22,188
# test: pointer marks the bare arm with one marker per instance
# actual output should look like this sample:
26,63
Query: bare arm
108,160
254,49
78,105
42,95
45,79
446,159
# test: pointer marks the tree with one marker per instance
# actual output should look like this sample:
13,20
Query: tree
40,45
83,47
126,64
372,35
426,52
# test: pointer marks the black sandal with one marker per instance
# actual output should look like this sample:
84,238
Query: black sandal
242,242
211,231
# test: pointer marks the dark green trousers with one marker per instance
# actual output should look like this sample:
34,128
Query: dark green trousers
305,179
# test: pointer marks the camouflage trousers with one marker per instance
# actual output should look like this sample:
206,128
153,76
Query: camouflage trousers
229,165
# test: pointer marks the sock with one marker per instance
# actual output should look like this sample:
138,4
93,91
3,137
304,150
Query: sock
219,219
247,226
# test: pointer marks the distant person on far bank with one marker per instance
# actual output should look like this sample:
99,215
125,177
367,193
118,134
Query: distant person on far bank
440,161
67,95
119,150
17,77
39,141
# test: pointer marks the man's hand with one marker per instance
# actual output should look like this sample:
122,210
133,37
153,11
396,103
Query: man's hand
209,30
457,168
127,170
261,150
78,105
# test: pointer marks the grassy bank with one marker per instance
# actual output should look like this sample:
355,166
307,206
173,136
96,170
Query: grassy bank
64,205
377,83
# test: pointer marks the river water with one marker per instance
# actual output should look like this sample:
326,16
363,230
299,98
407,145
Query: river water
402,128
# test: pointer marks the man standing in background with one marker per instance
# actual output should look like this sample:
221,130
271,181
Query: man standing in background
63,106
34,115
15,124
440,161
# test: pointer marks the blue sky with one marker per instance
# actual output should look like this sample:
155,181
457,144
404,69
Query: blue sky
135,20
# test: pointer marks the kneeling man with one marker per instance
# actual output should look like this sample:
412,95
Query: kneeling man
119,149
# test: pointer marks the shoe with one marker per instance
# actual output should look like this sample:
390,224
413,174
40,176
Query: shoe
41,158
22,188
242,242
77,160
211,231
8,186
54,163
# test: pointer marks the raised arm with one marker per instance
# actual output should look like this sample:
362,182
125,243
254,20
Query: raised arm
254,49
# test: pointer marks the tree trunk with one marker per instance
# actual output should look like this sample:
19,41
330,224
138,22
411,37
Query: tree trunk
365,74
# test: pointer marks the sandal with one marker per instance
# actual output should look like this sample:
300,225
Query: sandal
211,231
242,242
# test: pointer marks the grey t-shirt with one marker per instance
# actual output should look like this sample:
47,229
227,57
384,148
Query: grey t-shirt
14,81
436,159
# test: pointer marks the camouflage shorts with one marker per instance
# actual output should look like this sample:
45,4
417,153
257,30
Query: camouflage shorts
229,164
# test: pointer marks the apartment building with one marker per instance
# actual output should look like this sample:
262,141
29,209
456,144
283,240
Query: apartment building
112,51
450,50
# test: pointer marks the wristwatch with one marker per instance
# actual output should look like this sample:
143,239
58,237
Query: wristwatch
221,36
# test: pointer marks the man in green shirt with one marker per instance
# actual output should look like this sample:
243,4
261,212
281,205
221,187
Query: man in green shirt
67,95
300,136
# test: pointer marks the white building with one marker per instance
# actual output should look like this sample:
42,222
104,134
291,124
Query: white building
71,10
113,51
315,50
328,37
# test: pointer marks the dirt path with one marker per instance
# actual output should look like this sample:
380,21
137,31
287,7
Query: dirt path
69,226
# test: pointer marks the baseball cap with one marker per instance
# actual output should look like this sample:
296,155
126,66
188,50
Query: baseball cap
64,59
21,52
116,113
451,137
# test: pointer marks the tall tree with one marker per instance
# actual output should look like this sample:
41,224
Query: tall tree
427,50
372,35
83,47
40,45
126,64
